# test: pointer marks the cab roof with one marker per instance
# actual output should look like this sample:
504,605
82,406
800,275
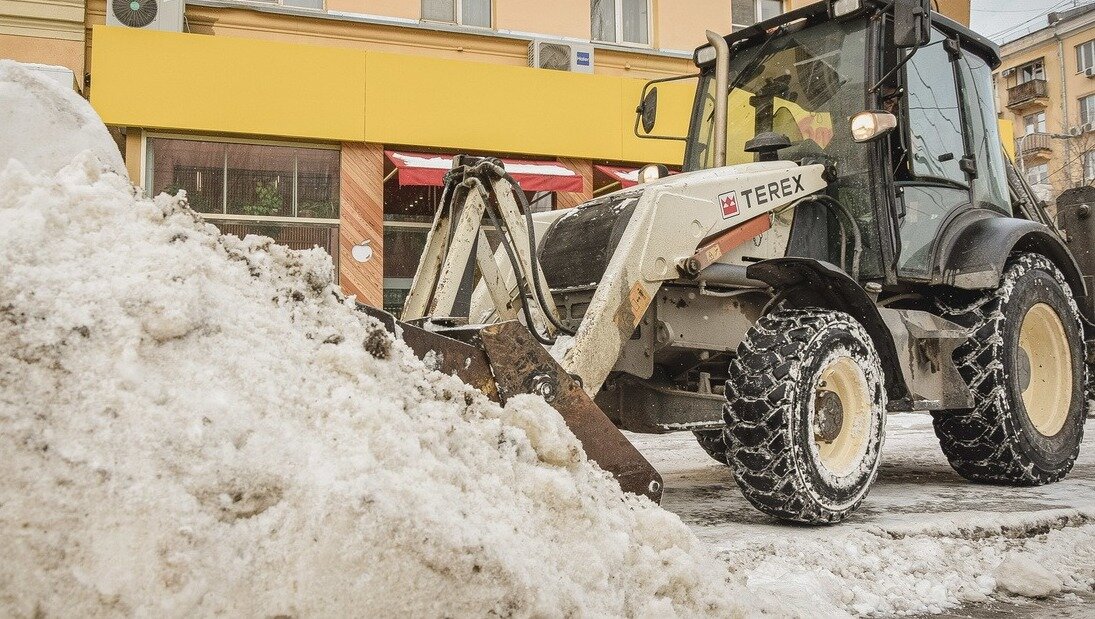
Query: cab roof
970,40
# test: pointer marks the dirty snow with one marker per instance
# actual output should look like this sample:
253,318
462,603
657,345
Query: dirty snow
196,424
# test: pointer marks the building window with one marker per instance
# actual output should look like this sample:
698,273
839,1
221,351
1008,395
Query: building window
1085,56
1032,71
1035,123
287,192
1087,110
745,13
620,21
1089,167
464,12
1038,175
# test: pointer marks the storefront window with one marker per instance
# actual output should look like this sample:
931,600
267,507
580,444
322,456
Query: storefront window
289,193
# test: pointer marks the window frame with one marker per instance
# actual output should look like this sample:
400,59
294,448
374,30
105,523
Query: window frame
756,12
1090,118
458,6
1039,122
1089,166
1041,65
618,11
1090,45
1031,169
148,170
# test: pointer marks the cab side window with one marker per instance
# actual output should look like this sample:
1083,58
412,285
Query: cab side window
935,121
990,189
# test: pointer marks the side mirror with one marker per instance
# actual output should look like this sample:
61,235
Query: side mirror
648,109
912,23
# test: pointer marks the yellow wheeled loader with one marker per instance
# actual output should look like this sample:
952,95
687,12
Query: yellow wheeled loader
847,239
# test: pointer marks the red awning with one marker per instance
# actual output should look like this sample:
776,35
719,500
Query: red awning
626,177
430,169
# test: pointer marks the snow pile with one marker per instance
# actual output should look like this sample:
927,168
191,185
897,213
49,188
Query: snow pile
44,125
196,424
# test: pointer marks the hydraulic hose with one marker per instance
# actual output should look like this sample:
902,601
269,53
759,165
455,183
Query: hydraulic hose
522,285
535,260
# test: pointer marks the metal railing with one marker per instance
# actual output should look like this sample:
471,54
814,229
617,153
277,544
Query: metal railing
1028,91
1034,142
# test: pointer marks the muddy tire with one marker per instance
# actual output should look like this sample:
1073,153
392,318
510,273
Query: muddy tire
712,443
805,415
1024,363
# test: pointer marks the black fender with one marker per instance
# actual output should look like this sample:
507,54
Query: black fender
805,282
975,252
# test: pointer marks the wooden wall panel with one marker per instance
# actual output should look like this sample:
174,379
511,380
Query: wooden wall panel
362,219
584,167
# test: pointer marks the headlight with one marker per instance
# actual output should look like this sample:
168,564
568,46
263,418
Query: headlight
867,126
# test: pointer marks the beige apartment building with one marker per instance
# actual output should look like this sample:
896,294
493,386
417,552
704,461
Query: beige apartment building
1046,87
329,122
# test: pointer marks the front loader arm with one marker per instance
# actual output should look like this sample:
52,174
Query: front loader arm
697,220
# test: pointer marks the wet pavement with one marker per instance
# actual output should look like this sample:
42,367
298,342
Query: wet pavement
917,492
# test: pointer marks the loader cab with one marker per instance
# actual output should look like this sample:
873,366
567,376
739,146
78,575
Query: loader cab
795,83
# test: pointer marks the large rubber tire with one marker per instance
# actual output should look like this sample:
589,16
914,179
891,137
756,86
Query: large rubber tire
770,415
997,441
713,443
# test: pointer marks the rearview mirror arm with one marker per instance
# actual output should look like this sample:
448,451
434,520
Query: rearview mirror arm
904,61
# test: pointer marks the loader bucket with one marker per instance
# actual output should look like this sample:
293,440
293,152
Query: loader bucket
503,360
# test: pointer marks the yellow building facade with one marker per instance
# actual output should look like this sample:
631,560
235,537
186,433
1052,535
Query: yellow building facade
325,123
1046,88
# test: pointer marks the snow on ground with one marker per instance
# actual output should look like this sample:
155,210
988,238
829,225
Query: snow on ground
193,424
925,539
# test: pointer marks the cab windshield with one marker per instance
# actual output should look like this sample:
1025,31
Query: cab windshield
805,85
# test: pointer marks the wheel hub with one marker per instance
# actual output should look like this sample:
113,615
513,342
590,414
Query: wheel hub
829,418
841,416
1045,369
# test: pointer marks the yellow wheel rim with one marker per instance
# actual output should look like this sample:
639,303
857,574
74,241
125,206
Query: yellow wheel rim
1044,347
841,452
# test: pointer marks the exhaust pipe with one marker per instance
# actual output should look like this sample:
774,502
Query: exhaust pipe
722,86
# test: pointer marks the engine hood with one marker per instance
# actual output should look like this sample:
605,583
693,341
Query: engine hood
687,207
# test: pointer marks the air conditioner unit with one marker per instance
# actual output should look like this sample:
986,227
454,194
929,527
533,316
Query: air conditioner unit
559,56
1090,72
1078,130
146,14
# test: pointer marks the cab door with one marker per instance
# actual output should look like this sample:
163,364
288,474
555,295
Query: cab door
953,158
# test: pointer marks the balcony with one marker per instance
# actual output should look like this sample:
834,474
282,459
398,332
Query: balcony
1034,93
1037,147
